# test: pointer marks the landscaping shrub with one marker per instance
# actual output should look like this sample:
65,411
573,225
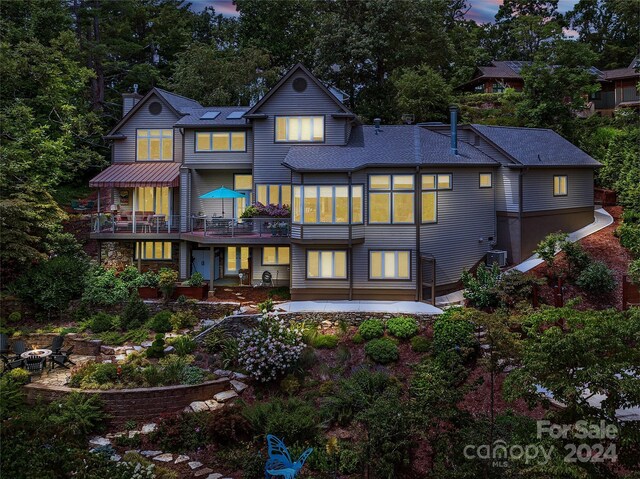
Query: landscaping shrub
353,394
634,272
324,341
270,350
11,396
161,322
196,280
131,276
15,317
229,353
451,331
549,246
104,287
382,350
135,313
481,291
78,413
629,235
515,286
214,340
117,338
402,327
293,419
597,278
167,282
156,350
101,322
420,344
183,345
182,432
576,256
149,279
371,329
357,338
52,284
183,320
281,292
266,306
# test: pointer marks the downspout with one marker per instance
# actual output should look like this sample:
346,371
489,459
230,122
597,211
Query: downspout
418,210
350,239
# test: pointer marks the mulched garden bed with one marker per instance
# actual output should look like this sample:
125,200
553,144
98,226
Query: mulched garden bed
602,246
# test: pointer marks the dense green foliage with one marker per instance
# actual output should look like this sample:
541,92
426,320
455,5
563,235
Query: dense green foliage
160,322
382,350
402,327
453,331
597,279
325,341
371,329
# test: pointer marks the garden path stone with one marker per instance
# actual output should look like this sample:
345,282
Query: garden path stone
238,386
202,472
195,465
134,451
225,396
133,434
107,350
137,348
166,457
222,373
215,475
199,406
213,404
99,441
120,357
181,458
146,344
239,376
149,428
187,409
116,458
169,350
150,453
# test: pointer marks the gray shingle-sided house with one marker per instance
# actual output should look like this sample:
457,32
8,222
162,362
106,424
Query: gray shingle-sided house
378,211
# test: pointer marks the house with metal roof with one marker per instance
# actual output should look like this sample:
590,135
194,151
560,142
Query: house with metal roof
376,211
618,87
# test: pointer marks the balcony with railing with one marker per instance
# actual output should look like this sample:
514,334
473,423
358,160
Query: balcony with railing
240,227
140,223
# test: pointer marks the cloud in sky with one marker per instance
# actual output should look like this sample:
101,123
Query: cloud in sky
482,11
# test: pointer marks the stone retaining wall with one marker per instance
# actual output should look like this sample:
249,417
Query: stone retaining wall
82,346
140,404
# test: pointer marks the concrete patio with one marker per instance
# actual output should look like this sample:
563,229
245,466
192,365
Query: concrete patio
344,306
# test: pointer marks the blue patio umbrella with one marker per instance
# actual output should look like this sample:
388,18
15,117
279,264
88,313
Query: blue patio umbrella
222,193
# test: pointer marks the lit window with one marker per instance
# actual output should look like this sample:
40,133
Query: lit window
158,250
389,265
444,182
237,257
326,264
155,145
486,180
220,141
300,128
272,255
429,208
395,205
326,204
274,194
560,185
242,184
152,200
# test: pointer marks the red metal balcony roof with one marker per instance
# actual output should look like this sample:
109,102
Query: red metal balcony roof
130,175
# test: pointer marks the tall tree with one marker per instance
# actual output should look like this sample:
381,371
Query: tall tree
423,93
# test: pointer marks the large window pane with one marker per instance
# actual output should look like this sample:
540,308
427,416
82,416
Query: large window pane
293,129
143,149
167,144
274,194
326,204
444,182
281,128
300,128
238,141
428,182
296,204
389,264
220,141
403,207
485,180
262,194
286,195
356,204
313,264
305,129
283,255
310,204
379,208
429,207
243,182
232,256
340,264
326,264
318,128
342,204
375,264
203,141
402,182
154,149
403,265
153,250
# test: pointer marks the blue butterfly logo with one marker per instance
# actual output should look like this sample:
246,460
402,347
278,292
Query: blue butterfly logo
279,464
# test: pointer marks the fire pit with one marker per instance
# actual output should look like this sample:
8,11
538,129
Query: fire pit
36,353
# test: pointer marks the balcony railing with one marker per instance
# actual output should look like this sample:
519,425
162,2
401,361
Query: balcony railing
233,227
140,223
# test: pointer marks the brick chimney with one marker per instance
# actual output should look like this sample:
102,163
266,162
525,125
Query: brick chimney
129,100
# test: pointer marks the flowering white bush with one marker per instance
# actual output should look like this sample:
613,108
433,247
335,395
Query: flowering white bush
271,349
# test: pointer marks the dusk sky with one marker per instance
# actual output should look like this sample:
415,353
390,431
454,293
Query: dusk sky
481,11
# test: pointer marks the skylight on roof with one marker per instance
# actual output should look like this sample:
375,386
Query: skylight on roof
210,115
235,115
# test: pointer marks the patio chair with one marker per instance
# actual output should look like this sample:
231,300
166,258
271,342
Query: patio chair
56,344
62,358
34,364
19,347
4,344
9,364
267,279
75,204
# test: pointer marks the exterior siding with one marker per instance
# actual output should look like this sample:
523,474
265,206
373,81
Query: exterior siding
222,160
269,155
204,181
280,273
538,189
507,189
125,150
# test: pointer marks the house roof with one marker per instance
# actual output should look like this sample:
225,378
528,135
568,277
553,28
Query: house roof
178,102
620,73
254,109
535,147
194,116
392,145
130,175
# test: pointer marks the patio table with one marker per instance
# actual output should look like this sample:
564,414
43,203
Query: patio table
37,353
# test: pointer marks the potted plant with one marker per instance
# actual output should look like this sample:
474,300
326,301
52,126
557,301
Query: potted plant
195,287
275,218
148,286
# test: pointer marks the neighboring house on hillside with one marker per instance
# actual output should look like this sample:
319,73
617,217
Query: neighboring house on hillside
377,210
618,88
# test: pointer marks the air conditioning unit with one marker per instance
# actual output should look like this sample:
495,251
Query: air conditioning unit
497,256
